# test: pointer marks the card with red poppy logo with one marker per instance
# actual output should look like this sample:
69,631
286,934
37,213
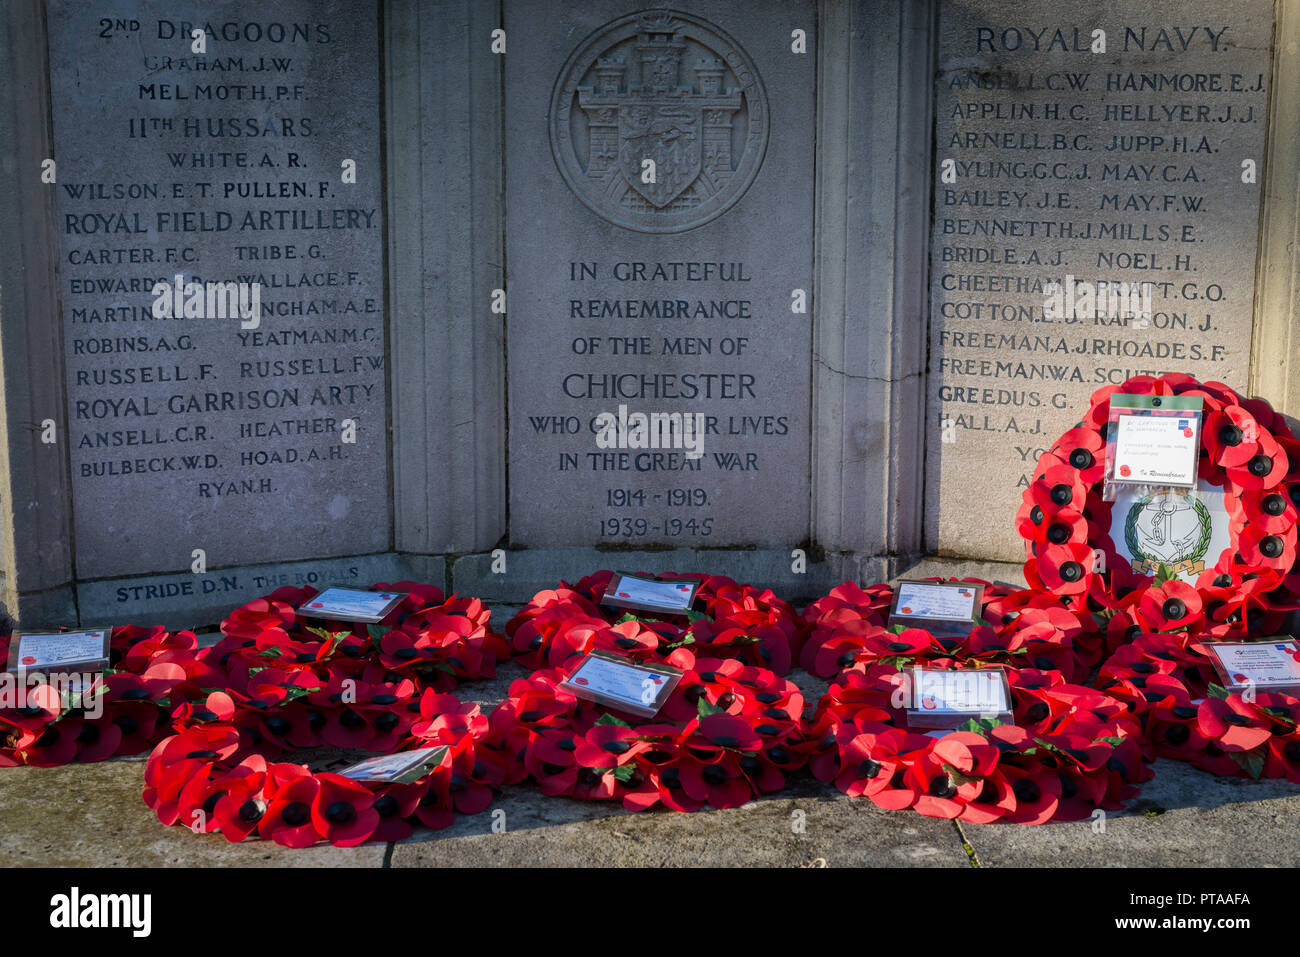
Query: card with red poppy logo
942,608
943,698
59,651
1268,665
1152,441
404,767
636,688
351,604
649,594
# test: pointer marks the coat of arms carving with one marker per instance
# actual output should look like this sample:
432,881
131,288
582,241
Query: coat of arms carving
659,122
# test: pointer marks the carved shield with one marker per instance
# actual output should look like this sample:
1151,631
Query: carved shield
669,134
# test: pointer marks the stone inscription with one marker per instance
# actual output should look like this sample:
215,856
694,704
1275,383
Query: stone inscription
220,220
659,384
1095,218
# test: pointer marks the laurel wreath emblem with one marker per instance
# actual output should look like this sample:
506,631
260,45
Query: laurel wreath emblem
1202,543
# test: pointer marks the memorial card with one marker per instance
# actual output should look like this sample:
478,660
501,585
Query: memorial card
943,699
404,767
649,594
637,688
351,604
1269,665
59,651
940,607
1154,440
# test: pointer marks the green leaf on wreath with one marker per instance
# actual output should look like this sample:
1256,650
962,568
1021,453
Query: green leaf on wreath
693,616
1281,717
1217,691
1252,762
376,632
896,629
1114,741
624,772
980,725
608,718
704,709
1163,574
958,778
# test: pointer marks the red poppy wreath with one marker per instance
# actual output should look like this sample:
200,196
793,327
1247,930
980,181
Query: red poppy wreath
1068,751
727,620
284,685
124,710
727,732
1170,683
1218,564
1019,628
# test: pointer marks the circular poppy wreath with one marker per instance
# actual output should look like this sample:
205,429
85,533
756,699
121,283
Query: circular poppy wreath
435,642
213,774
1247,450
1021,628
1170,685
1070,750
732,621
279,684
148,670
727,732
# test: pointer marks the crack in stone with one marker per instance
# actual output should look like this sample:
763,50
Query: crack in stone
865,378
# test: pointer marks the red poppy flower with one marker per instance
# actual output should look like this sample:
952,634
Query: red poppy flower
1083,450
1273,510
1057,528
1037,795
55,745
719,783
1065,569
608,746
1231,436
1263,470
395,804
723,732
995,800
551,761
938,791
1232,724
1261,547
1173,606
343,810
288,819
672,790
1058,486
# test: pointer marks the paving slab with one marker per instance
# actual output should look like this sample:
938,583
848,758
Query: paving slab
92,815
830,831
1182,818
